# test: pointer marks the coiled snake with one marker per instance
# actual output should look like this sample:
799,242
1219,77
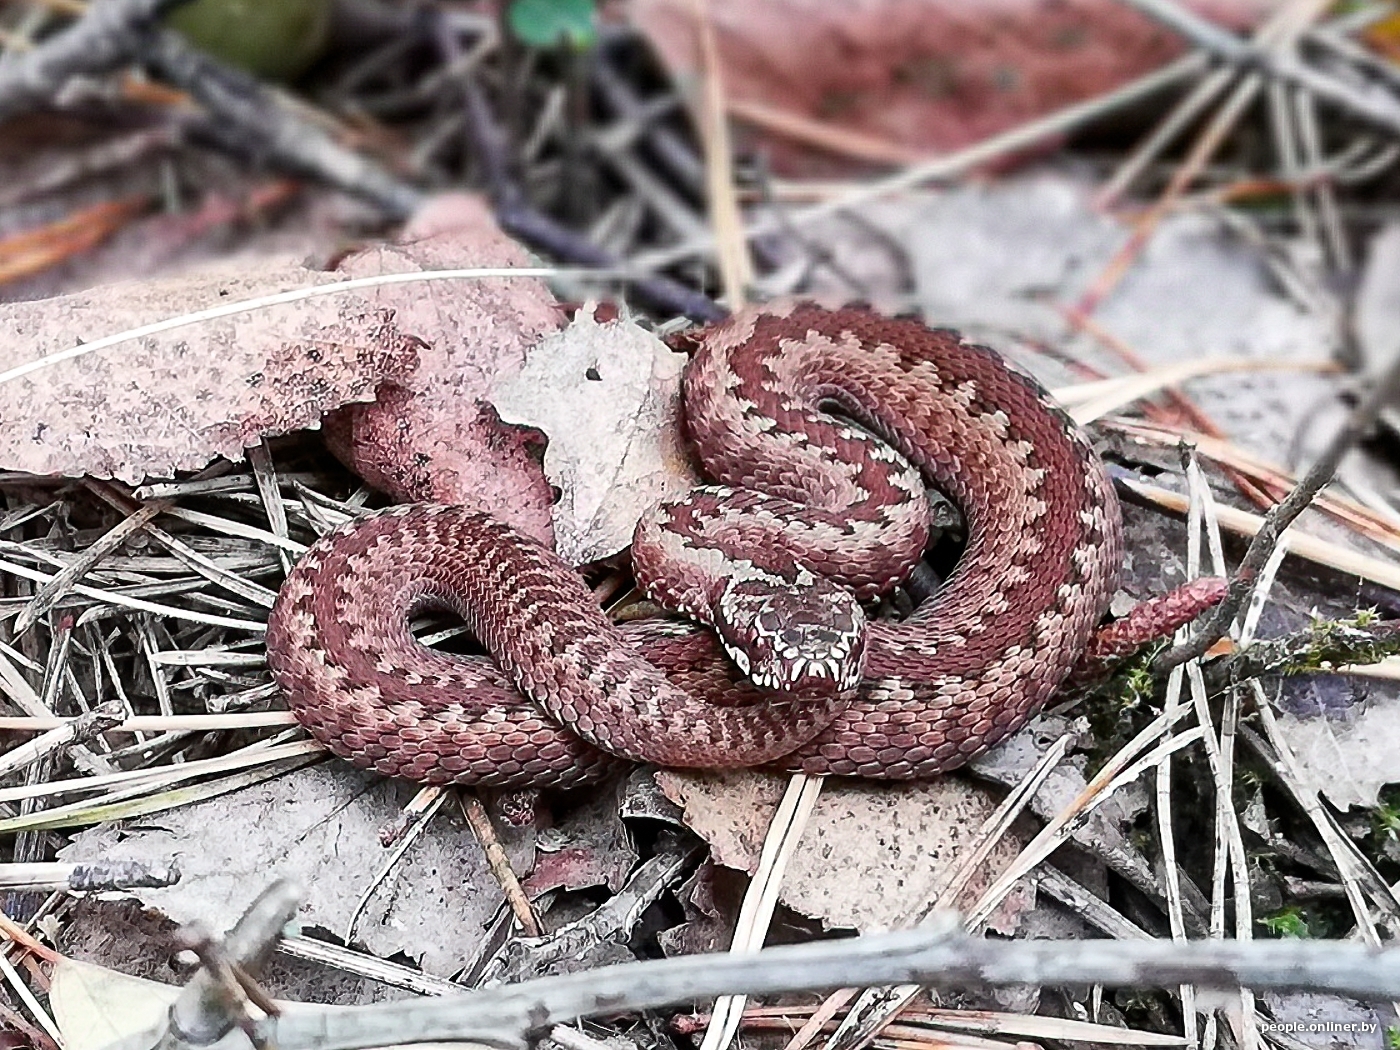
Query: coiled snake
823,511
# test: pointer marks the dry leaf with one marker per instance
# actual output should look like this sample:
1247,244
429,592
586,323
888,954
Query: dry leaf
1347,753
95,1007
1329,1022
871,857
174,401
997,259
318,827
1001,261
891,79
608,396
709,920
433,434
591,847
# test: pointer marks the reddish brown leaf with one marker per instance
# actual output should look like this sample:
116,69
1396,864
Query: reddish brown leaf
886,80
435,436
175,401
172,401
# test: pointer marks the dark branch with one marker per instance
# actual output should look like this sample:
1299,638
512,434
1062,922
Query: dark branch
521,220
1281,516
1373,103
111,34
1320,649
245,114
938,954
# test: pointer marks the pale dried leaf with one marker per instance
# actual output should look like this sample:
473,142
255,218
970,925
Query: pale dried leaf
95,1007
1000,262
1329,1022
176,401
318,827
590,847
871,857
608,396
430,352
1376,313
1347,755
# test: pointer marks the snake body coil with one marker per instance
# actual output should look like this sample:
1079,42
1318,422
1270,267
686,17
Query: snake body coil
818,500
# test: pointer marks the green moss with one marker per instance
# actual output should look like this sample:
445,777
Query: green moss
1120,706
1288,922
1386,821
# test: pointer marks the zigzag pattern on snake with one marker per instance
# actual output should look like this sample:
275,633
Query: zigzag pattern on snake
821,502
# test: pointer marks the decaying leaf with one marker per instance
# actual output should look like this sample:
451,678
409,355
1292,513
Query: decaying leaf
430,352
592,847
432,434
170,402
821,84
608,396
709,920
95,1007
1346,754
1001,262
318,827
870,857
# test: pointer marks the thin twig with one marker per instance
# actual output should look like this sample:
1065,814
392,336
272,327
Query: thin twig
49,594
203,1013
110,34
735,267
78,730
362,964
519,219
1373,105
957,163
154,723
610,922
101,158
756,912
1281,516
499,863
243,110
1181,116
504,1016
1324,647
88,878
670,148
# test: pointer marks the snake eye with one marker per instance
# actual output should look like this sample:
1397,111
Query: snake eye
770,624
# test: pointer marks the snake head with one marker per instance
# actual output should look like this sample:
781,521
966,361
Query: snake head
806,638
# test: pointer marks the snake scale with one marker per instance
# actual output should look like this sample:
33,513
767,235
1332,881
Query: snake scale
820,514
